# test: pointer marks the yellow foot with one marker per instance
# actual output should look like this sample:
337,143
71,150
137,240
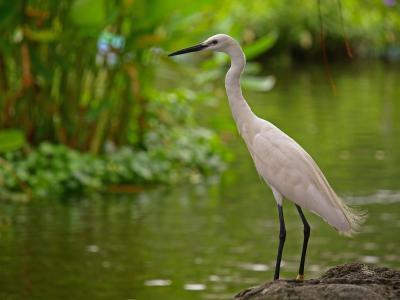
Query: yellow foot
300,277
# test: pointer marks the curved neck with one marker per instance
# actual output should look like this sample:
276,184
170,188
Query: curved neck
239,107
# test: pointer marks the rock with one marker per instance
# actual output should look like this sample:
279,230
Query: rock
350,281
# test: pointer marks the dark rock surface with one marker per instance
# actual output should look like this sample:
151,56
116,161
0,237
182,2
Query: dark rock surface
349,281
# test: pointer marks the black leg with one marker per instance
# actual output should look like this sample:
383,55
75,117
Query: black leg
305,243
282,237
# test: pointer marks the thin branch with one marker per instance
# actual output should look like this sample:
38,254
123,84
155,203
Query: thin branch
346,41
324,52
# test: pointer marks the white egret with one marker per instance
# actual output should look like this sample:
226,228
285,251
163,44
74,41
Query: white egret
283,164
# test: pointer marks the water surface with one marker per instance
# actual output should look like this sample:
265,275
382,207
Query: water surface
209,241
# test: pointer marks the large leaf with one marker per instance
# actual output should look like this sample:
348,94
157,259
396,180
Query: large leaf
11,140
258,84
261,45
88,13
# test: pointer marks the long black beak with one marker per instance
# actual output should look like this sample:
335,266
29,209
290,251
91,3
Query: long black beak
188,50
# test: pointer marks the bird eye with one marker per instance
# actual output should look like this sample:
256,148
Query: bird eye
214,42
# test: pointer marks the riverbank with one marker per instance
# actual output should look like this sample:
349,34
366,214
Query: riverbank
349,281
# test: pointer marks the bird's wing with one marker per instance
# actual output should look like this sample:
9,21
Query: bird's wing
289,169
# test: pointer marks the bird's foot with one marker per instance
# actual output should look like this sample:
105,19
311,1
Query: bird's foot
300,277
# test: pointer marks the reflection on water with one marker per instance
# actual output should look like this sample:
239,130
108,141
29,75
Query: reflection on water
158,282
194,286
255,267
381,196
210,241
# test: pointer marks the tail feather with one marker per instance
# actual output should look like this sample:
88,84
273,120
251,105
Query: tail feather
354,216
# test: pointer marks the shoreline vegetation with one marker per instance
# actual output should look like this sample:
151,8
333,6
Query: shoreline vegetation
56,170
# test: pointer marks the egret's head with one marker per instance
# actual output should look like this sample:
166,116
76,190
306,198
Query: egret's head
218,42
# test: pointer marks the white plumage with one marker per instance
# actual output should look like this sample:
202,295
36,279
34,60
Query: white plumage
292,174
283,164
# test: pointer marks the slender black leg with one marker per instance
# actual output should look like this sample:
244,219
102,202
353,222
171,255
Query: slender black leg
305,243
282,237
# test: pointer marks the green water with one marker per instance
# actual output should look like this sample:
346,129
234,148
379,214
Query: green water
209,241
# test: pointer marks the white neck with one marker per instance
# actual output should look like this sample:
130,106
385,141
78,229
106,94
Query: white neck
239,107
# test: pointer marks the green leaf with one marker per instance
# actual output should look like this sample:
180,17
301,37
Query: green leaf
258,84
88,13
11,140
43,36
261,45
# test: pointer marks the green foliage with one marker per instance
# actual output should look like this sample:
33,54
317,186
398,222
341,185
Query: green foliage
262,45
51,170
372,27
173,152
93,10
11,140
61,71
54,170
260,84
